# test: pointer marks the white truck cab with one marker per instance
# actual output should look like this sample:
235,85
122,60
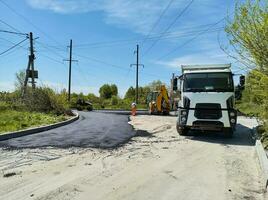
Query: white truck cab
207,99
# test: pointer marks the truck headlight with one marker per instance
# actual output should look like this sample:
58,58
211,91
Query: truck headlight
183,119
183,112
232,114
232,121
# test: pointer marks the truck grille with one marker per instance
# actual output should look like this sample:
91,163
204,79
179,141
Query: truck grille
208,111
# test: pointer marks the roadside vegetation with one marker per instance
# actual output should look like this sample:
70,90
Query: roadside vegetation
109,98
14,120
43,105
248,36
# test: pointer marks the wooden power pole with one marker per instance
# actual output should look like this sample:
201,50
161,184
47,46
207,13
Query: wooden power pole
30,72
137,74
70,60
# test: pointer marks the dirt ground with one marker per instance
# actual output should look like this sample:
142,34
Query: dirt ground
156,164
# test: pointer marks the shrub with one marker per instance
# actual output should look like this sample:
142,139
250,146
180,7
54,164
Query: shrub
44,99
114,100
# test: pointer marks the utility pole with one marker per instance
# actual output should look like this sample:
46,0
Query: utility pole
70,69
30,72
137,74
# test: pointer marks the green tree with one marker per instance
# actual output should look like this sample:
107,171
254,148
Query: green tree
105,91
248,37
114,90
155,85
130,94
92,98
248,34
20,77
114,100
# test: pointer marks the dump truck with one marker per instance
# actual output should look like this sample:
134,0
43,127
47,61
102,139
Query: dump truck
207,99
158,101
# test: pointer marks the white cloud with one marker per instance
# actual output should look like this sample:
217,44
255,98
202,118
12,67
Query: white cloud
64,6
138,15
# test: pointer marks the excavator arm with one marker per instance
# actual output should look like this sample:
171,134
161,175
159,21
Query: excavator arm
163,96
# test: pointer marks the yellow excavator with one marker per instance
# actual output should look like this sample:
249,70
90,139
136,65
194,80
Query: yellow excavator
158,101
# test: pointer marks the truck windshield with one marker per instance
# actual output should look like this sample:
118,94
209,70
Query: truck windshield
208,82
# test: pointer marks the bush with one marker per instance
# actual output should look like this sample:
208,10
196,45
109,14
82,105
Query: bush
114,100
255,100
4,106
44,99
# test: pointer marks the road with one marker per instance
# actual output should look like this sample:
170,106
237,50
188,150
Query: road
155,164
93,129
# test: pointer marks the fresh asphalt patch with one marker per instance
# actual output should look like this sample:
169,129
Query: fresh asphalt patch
93,129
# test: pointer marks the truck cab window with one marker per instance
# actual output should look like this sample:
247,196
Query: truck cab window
208,82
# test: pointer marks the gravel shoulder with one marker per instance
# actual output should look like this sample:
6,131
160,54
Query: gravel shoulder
156,164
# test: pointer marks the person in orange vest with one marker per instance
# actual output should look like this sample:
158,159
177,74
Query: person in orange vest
133,109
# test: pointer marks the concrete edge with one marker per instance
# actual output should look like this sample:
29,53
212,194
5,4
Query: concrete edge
30,131
263,160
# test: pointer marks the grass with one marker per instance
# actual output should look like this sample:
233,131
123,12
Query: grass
252,110
12,120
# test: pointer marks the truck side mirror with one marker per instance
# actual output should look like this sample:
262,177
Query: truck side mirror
242,82
175,84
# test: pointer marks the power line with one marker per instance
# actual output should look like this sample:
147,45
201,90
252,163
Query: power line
28,21
136,39
100,61
168,36
14,43
16,33
188,41
12,27
170,25
112,65
158,20
52,59
172,35
13,46
50,49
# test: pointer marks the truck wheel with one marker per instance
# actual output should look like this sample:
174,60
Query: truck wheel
182,131
228,132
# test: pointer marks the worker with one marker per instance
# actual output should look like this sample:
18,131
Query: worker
133,109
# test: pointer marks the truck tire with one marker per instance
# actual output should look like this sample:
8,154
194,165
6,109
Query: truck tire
228,132
182,131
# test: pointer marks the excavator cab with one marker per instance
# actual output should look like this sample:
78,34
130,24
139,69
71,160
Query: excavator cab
158,101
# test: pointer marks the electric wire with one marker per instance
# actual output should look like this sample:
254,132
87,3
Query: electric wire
158,20
28,21
170,25
13,47
190,40
12,27
126,42
16,33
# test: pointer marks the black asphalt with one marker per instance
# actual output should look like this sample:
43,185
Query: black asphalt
93,129
123,112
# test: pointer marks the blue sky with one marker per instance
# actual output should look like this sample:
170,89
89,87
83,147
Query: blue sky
105,34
